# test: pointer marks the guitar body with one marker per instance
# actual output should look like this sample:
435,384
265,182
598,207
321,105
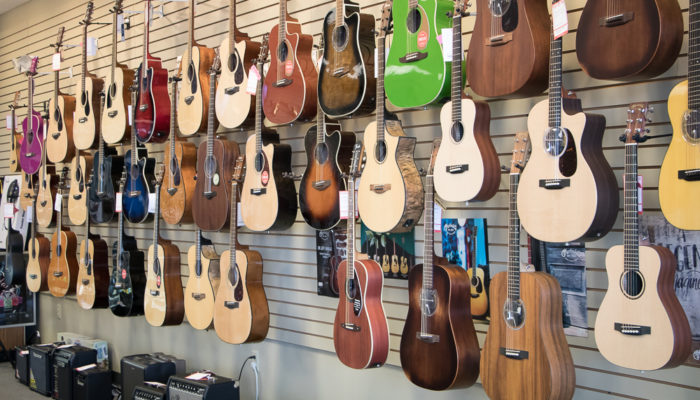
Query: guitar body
137,187
520,37
193,101
25,194
323,177
346,82
482,176
268,199
38,264
657,307
153,103
45,200
200,290
234,106
127,283
93,276
14,152
212,214
453,361
59,143
102,194
416,73
296,98
80,169
87,113
656,28
367,347
177,191
399,206
63,269
241,313
548,371
15,264
163,299
32,144
115,126
546,214
477,292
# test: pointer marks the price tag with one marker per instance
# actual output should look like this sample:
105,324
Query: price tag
198,376
446,41
120,25
343,201
91,46
640,199
8,122
9,210
152,203
86,367
560,20
29,214
56,62
57,203
239,215
131,119
118,202
253,78
437,218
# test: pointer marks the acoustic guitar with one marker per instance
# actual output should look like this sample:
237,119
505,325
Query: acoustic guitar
525,354
346,82
88,108
234,105
193,104
268,197
14,267
214,160
163,298
509,34
202,283
152,109
360,327
32,147
328,152
439,349
80,169
39,257
290,86
115,122
93,269
390,197
138,180
59,138
47,185
568,191
467,166
127,281
679,185
477,277
29,183
640,323
241,313
63,268
177,190
107,167
15,137
416,71
607,27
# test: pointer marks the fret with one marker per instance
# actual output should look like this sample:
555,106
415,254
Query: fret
198,252
156,224
232,27
146,33
693,55
456,94
210,116
114,45
320,124
258,110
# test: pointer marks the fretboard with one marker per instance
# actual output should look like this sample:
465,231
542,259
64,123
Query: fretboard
233,232
513,286
381,44
146,34
84,58
456,94
231,27
258,111
173,112
55,88
156,223
190,35
339,13
631,217
694,55
120,230
320,124
87,238
351,229
282,24
198,253
555,82
114,45
211,116
429,235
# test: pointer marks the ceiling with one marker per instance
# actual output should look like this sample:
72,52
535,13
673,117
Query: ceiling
7,5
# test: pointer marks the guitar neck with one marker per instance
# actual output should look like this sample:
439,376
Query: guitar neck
146,34
114,44
173,115
258,111
282,31
456,93
87,239
351,229
84,57
234,224
381,44
320,124
55,88
631,217
198,251
190,36
694,55
232,27
339,12
555,82
513,240
211,114
156,223
428,216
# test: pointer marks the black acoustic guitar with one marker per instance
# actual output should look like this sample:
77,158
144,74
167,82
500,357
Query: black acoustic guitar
15,265
107,167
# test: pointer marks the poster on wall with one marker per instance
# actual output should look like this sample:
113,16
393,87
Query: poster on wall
331,249
654,229
394,252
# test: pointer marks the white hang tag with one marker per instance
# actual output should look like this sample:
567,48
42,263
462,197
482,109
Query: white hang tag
9,210
314,54
57,202
198,376
86,367
560,20
121,27
8,122
446,44
118,202
437,218
376,59
640,199
152,203
131,119
91,46
56,62
319,63
239,215
29,214
343,201
253,78
178,62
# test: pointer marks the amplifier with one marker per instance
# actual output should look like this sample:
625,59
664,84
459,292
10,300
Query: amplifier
40,371
92,383
140,368
22,364
210,388
149,392
180,367
65,360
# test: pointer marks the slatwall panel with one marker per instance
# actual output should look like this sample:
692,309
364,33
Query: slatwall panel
298,315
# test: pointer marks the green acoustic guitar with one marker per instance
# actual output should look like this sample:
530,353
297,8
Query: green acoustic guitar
416,71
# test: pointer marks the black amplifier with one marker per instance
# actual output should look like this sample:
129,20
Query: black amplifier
40,368
210,388
149,392
65,360
93,383
140,368
22,364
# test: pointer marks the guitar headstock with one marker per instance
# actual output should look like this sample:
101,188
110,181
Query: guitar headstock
64,181
59,39
88,13
637,120
13,192
356,158
216,64
32,66
15,101
118,7
239,169
160,173
460,8
433,156
262,56
385,20
521,152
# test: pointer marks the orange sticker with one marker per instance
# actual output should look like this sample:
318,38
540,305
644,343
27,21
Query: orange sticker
422,39
123,274
264,178
288,67
158,281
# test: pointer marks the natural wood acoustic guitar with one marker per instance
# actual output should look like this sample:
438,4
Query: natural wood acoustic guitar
80,169
202,283
39,257
93,270
87,119
477,277
63,268
59,137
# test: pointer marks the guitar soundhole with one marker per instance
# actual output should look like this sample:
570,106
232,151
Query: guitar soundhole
499,7
691,126
321,153
259,162
340,37
476,284
428,302
190,71
457,131
112,90
413,20
83,98
514,313
282,51
380,151
632,284
555,141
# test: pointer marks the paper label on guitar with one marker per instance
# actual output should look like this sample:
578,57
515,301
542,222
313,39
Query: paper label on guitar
437,218
239,215
640,200
91,46
29,214
446,40
560,20
152,203
253,77
120,26
56,62
118,202
289,67
131,119
57,203
422,39
9,210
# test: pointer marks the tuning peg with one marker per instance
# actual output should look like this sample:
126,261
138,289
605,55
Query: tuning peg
623,137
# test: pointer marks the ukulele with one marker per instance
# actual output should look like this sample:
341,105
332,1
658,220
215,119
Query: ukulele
138,180
525,342
568,191
416,72
680,171
93,269
48,182
348,62
202,283
268,197
87,113
606,28
328,149
439,349
214,160
508,49
193,104
14,266
177,190
467,166
39,257
390,197
291,82
115,123
241,313
63,268
14,136
163,299
107,167
80,169
360,328
30,151
153,104
477,278
640,323
127,282
234,105
59,140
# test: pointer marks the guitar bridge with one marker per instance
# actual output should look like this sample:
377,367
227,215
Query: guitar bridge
58,274
427,337
231,90
77,196
379,189
231,305
189,99
56,135
457,169
155,292
338,72
615,20
690,175
143,107
112,114
350,327
554,184
198,296
632,330
209,195
85,282
172,191
498,40
134,193
258,191
514,354
283,82
413,57
321,185
29,155
33,276
83,120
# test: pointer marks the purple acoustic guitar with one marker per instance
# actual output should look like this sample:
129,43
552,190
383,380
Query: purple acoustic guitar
31,149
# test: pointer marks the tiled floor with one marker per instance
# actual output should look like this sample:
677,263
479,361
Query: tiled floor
11,389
